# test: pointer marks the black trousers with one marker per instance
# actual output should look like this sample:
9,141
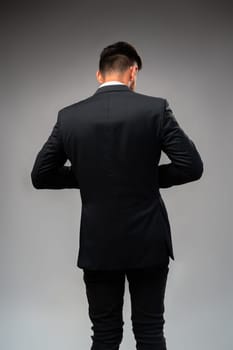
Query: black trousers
105,295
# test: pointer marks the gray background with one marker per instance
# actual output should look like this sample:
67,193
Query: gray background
49,56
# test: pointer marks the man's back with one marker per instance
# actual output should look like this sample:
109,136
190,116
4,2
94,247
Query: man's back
114,140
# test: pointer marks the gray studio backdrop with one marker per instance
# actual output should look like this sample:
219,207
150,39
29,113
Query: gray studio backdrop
49,56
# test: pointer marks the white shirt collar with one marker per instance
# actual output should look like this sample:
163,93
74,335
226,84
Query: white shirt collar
112,82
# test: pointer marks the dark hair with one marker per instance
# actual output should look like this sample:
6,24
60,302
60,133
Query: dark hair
118,57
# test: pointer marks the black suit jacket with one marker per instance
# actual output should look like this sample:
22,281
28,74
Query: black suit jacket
114,140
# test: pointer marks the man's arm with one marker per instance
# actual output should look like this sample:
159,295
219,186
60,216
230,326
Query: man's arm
186,164
49,171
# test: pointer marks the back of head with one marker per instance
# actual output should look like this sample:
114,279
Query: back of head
118,57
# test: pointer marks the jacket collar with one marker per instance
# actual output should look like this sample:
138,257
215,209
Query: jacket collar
115,87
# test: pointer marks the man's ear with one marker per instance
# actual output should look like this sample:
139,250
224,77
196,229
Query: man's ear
133,71
99,77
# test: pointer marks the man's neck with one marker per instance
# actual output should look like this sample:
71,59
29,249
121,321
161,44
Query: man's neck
112,82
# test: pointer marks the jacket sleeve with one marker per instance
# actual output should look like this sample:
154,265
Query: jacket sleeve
186,164
49,171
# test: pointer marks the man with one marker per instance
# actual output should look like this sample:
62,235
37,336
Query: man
114,140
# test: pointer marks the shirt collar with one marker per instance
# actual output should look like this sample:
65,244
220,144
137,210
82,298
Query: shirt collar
112,82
